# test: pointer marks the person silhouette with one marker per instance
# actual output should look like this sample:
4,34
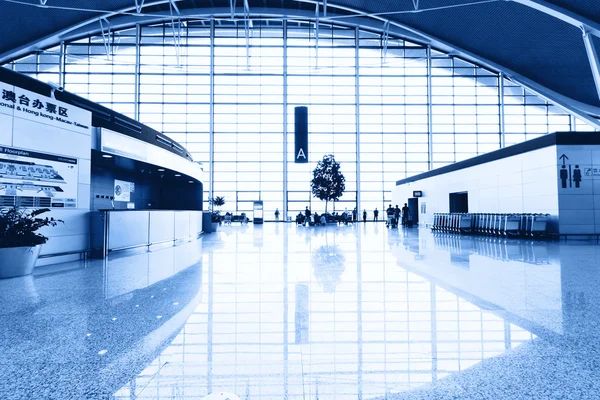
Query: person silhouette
564,175
577,176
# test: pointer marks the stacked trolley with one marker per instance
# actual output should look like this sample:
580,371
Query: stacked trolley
489,224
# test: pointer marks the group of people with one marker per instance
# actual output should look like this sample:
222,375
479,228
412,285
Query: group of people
311,218
394,214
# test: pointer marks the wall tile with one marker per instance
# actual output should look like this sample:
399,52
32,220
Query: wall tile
540,204
578,154
576,202
576,217
541,174
577,229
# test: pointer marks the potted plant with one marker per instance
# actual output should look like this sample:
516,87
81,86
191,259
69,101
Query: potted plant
217,202
20,243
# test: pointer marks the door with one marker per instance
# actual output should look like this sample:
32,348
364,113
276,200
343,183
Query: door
413,206
459,202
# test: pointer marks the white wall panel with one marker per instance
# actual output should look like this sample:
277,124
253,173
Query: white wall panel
524,183
6,128
49,139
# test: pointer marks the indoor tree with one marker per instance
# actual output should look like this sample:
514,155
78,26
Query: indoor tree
217,202
328,182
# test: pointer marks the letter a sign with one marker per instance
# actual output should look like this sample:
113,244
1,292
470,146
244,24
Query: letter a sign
301,155
301,134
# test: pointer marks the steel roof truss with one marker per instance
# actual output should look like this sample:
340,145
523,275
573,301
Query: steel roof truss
592,54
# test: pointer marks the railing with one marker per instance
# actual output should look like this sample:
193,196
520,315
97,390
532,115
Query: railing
505,225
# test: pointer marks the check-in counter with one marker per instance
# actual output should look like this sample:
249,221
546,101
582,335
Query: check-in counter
127,229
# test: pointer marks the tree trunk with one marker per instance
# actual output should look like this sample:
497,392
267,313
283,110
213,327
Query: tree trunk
326,202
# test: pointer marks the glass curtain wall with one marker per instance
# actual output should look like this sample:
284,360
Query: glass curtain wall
386,108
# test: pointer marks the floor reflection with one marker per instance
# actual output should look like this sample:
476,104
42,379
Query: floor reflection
285,312
302,317
81,330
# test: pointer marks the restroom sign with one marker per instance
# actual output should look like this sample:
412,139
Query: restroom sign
570,175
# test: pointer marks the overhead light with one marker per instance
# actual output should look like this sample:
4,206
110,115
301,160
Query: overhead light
177,174
106,156
102,352
161,170
191,181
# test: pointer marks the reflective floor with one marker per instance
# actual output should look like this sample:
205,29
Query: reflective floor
281,312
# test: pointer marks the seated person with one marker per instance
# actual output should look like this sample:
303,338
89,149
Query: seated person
323,219
315,219
300,219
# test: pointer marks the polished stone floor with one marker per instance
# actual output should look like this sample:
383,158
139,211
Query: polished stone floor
285,312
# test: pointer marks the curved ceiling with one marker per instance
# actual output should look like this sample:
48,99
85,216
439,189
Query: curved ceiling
540,42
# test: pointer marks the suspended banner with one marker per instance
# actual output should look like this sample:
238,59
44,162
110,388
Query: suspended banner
301,135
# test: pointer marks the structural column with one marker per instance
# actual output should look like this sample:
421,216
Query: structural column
501,109
285,124
357,108
211,156
138,39
61,64
429,113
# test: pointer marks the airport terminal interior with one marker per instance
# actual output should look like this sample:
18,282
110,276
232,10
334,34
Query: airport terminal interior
299,199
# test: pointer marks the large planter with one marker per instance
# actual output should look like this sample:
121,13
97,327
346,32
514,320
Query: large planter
18,261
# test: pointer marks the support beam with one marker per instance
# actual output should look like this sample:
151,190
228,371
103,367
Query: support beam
247,32
176,33
211,139
105,37
138,40
139,4
43,2
325,8
357,113
232,8
592,54
385,36
61,64
285,127
429,113
501,99
174,5
317,36
563,14
416,4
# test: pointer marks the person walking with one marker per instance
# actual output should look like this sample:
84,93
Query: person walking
277,214
396,216
354,214
307,215
365,216
405,212
375,215
390,215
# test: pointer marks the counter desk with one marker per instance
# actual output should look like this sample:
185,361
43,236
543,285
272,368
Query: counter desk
127,229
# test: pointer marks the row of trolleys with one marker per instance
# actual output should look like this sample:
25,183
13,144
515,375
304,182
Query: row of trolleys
524,225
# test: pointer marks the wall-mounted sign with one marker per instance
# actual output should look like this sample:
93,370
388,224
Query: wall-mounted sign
569,174
417,193
301,135
32,179
35,107
122,190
